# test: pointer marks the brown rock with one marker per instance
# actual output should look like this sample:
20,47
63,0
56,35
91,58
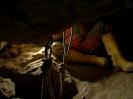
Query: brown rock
5,54
13,51
7,87
14,46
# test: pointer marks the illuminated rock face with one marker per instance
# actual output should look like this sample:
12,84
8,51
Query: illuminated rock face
24,69
91,82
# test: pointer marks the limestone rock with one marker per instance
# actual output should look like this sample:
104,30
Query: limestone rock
91,82
7,87
5,55
3,44
13,51
90,85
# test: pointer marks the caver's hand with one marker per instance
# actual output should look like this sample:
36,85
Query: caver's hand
57,49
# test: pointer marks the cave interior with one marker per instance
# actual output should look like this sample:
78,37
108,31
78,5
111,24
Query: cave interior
27,24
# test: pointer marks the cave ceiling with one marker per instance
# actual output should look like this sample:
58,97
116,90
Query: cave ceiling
22,16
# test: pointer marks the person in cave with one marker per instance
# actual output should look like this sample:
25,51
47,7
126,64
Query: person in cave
84,41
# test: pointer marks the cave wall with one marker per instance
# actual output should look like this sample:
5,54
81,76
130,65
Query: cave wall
34,20
21,19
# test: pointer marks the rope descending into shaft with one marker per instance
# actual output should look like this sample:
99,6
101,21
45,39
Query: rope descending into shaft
62,65
69,45
61,68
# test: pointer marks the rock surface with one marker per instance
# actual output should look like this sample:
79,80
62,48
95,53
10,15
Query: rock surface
7,88
117,86
25,68
82,81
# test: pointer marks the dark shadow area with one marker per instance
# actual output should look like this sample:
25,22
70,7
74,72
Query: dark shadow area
89,73
30,86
